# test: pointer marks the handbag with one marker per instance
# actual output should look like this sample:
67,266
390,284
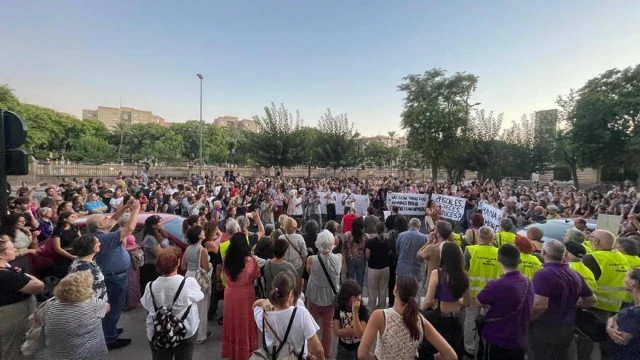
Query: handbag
202,277
137,258
326,273
426,350
34,339
481,320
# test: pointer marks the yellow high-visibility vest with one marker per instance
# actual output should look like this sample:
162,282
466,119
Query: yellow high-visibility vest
483,267
611,291
529,265
586,274
587,246
457,238
505,237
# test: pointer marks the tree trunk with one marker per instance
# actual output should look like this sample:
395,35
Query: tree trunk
309,171
121,142
574,175
434,171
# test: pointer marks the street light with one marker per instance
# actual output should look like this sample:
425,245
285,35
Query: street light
201,125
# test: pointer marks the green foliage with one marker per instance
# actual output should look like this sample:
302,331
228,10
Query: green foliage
377,154
436,113
276,143
336,141
606,121
89,147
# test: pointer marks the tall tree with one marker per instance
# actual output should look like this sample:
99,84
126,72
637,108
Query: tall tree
566,150
606,120
337,141
436,113
275,144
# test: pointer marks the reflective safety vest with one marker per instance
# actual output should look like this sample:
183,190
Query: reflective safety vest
529,265
586,274
634,262
505,237
457,238
483,267
611,291
587,247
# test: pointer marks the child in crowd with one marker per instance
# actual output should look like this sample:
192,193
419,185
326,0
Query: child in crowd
349,320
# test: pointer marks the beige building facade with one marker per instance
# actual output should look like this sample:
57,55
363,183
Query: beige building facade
111,116
233,121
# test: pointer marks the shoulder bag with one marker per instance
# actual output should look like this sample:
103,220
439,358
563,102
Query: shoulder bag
295,248
326,273
426,350
202,277
35,340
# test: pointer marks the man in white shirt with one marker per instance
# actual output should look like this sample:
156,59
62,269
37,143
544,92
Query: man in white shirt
330,200
349,201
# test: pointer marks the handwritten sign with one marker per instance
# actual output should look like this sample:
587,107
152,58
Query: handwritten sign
408,204
609,222
492,216
415,204
451,207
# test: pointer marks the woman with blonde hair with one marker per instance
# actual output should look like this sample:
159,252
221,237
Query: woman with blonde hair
297,252
73,321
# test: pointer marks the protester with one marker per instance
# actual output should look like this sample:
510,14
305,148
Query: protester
559,291
400,330
72,320
624,328
377,256
573,258
504,330
447,285
353,250
114,260
62,238
278,311
400,225
277,264
297,251
177,294
349,320
239,332
471,235
86,247
408,244
481,263
196,258
17,301
529,263
505,234
431,251
324,283
153,241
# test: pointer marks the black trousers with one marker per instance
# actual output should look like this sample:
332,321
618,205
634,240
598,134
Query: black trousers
392,282
489,351
148,273
331,212
184,351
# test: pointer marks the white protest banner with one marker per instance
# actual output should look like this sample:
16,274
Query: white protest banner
451,207
408,204
361,205
492,216
386,214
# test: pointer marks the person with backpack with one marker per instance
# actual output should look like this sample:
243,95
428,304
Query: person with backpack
288,331
171,302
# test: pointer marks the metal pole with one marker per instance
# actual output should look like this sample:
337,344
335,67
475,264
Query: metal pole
201,129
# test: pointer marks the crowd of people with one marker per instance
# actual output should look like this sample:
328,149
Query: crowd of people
293,275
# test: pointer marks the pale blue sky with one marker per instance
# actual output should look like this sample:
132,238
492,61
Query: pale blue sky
346,55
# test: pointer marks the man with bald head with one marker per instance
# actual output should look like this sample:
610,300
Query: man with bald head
609,269
114,260
558,290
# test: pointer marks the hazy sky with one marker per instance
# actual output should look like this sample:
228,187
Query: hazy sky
310,55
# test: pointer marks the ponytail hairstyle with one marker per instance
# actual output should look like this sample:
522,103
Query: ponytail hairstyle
407,288
282,286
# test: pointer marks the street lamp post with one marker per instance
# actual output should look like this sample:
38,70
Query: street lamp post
201,126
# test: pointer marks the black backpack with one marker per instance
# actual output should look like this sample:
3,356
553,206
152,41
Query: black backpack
168,329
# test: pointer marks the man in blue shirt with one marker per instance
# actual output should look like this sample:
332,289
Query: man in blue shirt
408,244
503,336
114,260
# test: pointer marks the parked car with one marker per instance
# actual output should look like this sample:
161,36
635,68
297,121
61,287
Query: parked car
171,223
556,228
